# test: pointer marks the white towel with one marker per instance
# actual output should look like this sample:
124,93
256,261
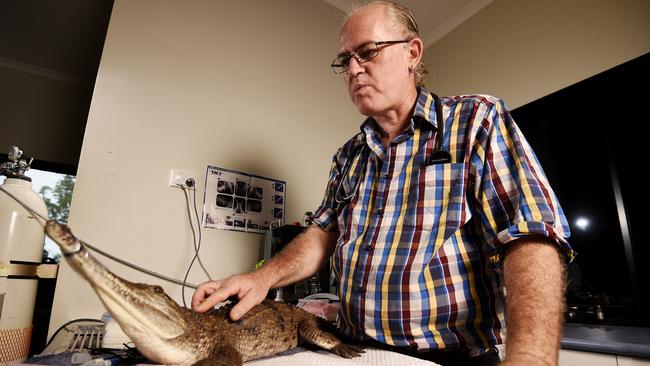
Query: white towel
372,357
114,337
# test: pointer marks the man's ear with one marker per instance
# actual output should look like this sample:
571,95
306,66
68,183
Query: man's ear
416,48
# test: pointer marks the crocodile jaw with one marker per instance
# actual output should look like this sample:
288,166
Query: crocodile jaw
153,339
137,317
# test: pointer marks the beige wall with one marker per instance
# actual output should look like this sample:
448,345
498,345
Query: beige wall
521,50
244,85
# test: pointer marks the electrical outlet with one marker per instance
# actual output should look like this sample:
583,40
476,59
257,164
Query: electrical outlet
178,178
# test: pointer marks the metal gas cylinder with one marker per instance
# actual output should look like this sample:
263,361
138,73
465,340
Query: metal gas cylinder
21,252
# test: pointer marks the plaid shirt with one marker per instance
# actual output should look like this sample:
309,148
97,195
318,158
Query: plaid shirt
419,248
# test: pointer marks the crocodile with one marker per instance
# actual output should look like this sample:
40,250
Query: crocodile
166,333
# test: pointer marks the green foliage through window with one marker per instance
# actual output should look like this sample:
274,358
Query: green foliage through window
58,199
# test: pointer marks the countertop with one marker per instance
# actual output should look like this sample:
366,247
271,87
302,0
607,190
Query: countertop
620,340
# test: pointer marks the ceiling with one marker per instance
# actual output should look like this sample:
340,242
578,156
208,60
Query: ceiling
61,40
49,55
435,17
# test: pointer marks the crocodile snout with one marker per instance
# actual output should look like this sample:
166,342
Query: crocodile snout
62,235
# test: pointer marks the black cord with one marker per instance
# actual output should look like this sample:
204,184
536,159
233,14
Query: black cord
70,322
135,266
197,246
198,224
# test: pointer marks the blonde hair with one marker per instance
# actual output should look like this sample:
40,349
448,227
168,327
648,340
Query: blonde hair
403,18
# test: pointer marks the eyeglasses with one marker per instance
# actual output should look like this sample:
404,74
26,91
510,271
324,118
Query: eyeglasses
364,53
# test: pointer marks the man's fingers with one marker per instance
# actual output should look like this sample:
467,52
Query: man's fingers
242,307
202,293
198,296
218,295
211,293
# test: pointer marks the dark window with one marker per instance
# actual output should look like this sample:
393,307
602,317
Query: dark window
591,139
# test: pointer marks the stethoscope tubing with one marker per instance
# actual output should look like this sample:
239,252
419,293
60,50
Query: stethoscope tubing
438,156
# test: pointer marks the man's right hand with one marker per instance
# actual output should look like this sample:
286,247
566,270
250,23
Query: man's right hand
249,288
298,260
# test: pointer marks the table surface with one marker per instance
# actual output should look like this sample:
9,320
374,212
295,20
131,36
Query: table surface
372,357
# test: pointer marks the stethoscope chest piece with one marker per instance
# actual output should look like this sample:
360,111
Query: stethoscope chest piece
439,157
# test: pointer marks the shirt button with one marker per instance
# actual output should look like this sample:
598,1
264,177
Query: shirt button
380,211
368,247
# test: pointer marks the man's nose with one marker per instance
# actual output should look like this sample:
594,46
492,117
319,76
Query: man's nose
355,67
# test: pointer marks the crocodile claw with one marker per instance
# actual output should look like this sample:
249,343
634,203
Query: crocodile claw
347,350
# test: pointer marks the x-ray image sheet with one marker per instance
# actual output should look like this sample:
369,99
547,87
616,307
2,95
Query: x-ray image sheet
242,202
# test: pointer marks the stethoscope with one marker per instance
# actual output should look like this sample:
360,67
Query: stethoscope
438,156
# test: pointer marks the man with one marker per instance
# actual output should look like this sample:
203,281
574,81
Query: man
429,212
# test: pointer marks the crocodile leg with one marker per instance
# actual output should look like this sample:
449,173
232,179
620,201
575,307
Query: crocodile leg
310,332
225,355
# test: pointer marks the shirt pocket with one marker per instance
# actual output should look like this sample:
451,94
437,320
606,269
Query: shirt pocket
439,193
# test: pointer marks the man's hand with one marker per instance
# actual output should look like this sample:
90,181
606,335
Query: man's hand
298,260
250,288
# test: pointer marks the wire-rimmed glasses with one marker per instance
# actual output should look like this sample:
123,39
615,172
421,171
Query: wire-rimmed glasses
362,54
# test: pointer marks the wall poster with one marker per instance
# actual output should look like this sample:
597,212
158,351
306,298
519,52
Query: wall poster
242,202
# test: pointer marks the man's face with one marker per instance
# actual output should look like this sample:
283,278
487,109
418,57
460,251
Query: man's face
380,84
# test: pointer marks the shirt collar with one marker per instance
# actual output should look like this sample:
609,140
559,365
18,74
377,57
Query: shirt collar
424,115
425,108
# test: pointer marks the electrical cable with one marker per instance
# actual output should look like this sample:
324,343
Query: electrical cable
68,323
121,261
198,225
138,268
195,252
197,246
